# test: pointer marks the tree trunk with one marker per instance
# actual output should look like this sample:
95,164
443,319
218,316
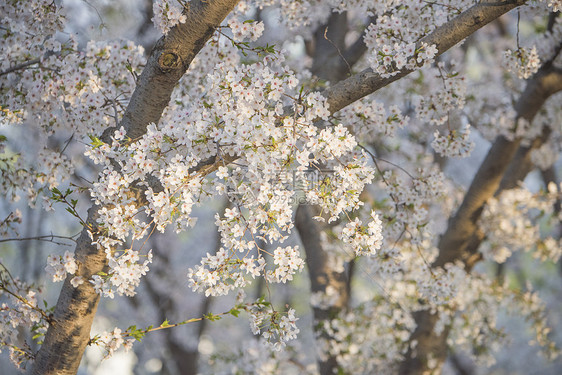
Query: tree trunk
69,333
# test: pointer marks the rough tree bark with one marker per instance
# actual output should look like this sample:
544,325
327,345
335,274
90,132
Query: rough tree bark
321,275
69,332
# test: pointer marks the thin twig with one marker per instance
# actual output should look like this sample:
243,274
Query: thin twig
20,66
47,238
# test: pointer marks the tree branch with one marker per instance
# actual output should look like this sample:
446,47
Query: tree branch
20,66
444,37
168,61
454,244
67,337
47,238
462,237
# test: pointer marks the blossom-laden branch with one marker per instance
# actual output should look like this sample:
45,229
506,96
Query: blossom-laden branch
168,61
20,66
24,310
442,38
350,90
325,280
67,338
457,242
219,125
461,240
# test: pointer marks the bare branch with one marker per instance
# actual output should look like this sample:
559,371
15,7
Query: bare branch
328,61
47,238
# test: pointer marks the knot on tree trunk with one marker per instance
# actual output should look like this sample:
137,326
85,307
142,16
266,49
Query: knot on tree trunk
169,60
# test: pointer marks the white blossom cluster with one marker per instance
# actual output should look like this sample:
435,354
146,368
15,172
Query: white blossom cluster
274,327
388,61
533,308
63,96
481,302
365,239
167,14
476,299
262,114
242,113
376,331
435,108
439,286
125,272
494,102
504,121
28,33
19,309
220,273
477,324
302,15
24,36
370,118
391,41
58,266
256,357
9,223
112,341
511,222
524,62
246,30
545,156
456,144
410,200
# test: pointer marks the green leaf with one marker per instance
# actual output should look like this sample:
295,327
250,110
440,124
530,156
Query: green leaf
212,317
137,335
96,142
234,312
